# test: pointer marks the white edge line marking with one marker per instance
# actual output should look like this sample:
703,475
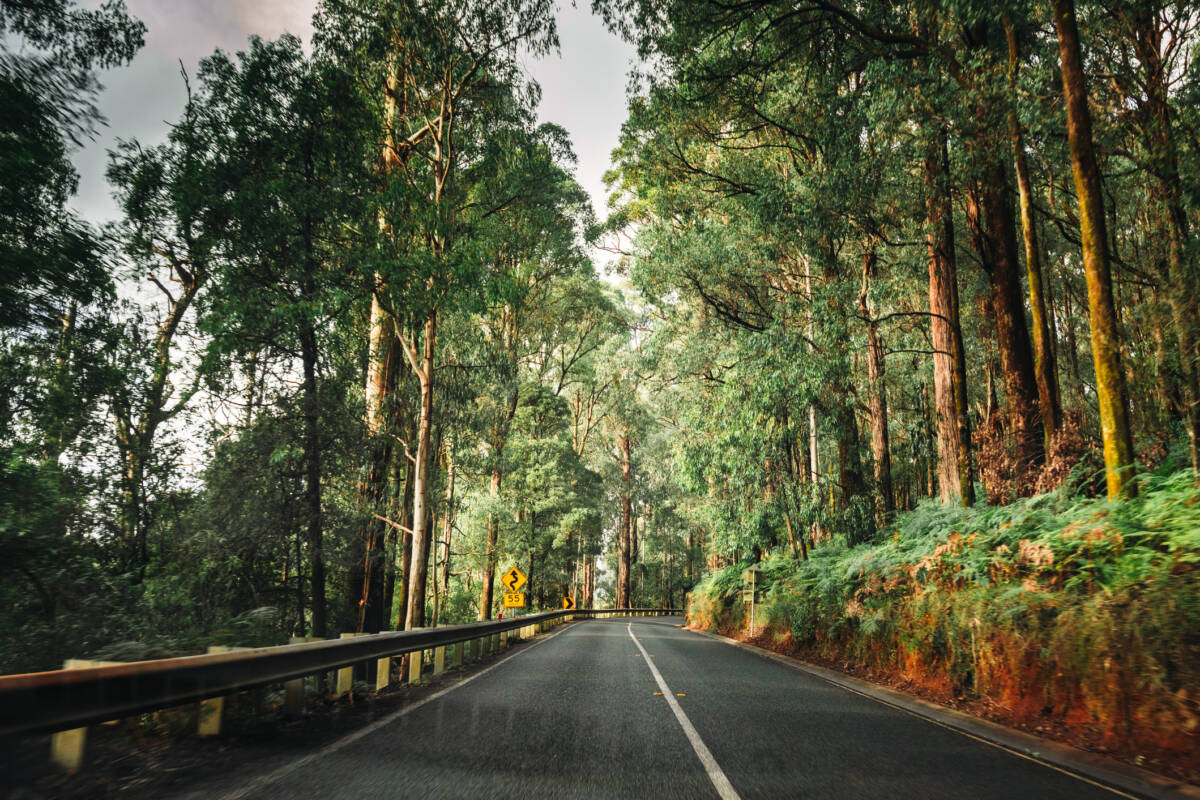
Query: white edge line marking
724,787
999,746
264,781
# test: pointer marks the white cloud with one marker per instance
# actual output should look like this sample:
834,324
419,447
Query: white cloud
276,16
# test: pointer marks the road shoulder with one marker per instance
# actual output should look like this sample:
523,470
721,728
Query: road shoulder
1054,754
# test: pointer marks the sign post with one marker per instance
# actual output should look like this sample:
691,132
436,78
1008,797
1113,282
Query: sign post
750,578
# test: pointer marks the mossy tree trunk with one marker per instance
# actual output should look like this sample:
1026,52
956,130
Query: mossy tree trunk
1102,316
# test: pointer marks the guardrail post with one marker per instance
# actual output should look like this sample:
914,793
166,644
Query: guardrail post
66,747
293,690
416,660
494,644
383,672
345,675
213,708
439,660
458,653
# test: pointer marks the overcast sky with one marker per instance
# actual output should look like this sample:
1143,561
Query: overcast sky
583,87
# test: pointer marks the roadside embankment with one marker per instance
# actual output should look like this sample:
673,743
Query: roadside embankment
1074,618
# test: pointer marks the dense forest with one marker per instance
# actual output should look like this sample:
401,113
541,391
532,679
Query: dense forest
343,357
905,312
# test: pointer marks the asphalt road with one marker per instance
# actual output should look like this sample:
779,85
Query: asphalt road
576,715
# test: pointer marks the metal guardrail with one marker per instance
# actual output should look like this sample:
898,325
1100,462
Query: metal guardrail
42,702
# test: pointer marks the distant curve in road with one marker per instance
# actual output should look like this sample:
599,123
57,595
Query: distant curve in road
629,709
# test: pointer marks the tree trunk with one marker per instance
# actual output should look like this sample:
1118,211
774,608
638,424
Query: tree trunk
586,599
878,402
312,477
405,570
1044,367
397,539
624,534
529,576
499,437
493,538
369,582
447,529
633,556
1164,164
813,461
993,229
850,472
366,582
421,516
955,481
851,481
1102,315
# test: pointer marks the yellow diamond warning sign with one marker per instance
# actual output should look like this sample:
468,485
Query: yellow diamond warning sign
513,580
514,599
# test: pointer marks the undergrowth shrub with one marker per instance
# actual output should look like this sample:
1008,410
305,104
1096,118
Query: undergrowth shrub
1059,604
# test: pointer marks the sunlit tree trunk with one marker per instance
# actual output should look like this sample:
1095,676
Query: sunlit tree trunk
368,546
421,516
366,574
1102,315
